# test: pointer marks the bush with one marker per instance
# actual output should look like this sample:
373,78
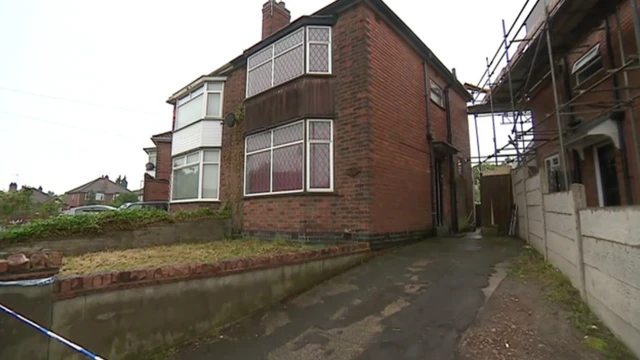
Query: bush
93,224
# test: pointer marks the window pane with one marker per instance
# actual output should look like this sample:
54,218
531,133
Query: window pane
259,79
215,86
258,176
319,130
319,58
212,156
259,141
288,66
289,42
197,91
260,57
193,158
319,34
210,182
288,134
213,104
185,183
319,166
288,168
189,112
178,161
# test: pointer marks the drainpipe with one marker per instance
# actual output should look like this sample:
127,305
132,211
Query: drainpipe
434,206
452,170
619,122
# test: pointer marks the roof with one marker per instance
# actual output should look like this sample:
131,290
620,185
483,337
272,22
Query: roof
38,196
163,137
326,16
102,185
569,21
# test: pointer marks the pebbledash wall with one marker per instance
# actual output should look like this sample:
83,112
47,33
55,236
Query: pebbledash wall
596,248
122,315
382,178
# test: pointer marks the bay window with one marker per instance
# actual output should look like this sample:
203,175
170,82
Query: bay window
306,50
202,103
196,176
290,159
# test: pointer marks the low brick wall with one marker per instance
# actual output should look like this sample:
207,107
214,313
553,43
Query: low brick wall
20,266
187,232
121,315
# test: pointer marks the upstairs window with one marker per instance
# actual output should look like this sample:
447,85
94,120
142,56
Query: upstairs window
437,95
589,64
305,50
202,103
555,177
153,158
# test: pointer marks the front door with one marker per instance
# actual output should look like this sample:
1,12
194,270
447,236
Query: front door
608,189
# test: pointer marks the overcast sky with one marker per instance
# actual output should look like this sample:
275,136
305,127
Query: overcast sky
83,83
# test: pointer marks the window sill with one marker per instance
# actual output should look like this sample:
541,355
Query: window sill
293,194
588,82
193,201
438,105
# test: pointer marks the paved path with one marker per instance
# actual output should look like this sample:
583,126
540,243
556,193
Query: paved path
413,303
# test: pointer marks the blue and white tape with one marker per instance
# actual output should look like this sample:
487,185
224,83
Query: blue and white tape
51,334
32,282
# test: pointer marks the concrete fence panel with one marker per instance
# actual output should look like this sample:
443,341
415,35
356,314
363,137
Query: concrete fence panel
611,246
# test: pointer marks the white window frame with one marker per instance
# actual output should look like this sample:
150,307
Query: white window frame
201,163
202,90
308,49
100,196
308,150
585,61
306,178
272,58
434,85
549,166
153,155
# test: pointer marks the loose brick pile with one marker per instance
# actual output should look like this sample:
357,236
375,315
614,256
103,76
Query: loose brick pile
30,264
74,285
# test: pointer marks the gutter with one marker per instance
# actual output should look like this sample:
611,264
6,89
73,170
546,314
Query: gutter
427,89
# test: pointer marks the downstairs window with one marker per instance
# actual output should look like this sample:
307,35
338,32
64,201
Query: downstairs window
290,159
196,176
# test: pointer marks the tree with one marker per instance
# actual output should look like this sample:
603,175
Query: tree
124,198
17,206
90,198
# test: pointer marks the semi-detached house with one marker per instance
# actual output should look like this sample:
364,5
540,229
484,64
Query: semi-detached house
341,125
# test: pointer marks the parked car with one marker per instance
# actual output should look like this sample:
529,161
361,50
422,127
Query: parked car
146,205
89,209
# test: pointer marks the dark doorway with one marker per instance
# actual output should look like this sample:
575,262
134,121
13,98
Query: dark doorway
439,194
608,175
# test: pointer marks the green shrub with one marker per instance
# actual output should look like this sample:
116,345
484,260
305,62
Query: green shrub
93,224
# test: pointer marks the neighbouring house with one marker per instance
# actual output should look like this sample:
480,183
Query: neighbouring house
158,169
594,53
139,193
342,125
98,191
38,196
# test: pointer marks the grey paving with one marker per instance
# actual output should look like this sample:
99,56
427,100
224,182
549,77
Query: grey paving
413,303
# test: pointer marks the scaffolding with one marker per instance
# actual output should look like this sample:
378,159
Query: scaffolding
529,51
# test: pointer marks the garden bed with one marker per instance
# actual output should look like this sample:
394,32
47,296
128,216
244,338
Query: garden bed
175,254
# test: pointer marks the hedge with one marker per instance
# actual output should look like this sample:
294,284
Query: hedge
99,223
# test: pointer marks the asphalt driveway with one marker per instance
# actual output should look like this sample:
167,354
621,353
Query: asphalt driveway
413,303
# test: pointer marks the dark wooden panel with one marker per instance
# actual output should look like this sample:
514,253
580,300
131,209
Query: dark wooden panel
496,198
306,97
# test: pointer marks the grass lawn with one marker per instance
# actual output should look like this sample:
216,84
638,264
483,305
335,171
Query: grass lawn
174,254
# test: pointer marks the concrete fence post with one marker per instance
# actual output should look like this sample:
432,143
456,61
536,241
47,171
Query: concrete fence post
525,176
579,202
544,221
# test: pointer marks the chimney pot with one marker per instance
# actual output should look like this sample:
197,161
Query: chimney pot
13,187
275,16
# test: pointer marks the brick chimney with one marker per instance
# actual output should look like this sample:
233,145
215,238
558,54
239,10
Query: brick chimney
13,187
275,16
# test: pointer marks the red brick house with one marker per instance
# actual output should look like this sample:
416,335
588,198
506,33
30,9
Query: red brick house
158,169
339,125
102,190
594,54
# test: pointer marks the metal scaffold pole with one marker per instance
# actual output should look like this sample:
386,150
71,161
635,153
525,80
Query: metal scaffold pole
636,27
475,119
563,161
513,101
493,117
